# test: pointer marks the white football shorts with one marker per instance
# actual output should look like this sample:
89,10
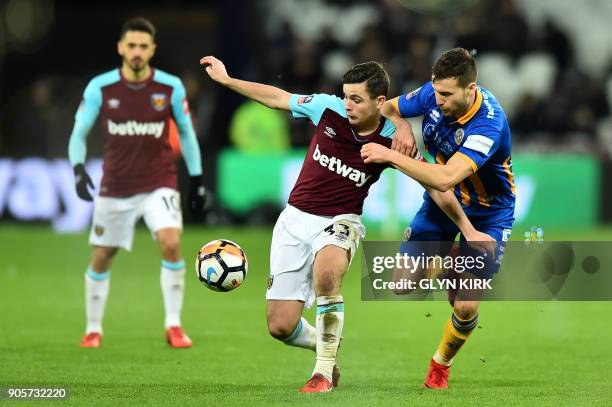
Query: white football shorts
114,219
296,239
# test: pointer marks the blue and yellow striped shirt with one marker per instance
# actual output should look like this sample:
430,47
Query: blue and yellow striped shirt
481,137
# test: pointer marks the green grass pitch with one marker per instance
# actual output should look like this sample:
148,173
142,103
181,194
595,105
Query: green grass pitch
524,353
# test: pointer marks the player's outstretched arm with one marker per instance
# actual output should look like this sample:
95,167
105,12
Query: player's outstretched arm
437,176
403,139
267,95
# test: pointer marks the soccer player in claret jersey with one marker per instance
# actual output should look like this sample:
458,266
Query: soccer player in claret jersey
317,234
135,104
466,130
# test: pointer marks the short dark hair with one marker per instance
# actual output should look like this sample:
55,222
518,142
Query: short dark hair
456,63
373,73
138,24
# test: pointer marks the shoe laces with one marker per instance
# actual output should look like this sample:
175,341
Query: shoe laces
439,374
315,380
176,331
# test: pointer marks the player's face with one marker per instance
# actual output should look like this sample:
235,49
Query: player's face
451,98
136,48
360,107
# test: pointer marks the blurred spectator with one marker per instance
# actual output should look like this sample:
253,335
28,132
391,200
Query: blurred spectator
202,103
32,121
303,45
557,43
506,29
528,117
371,47
303,70
279,52
407,41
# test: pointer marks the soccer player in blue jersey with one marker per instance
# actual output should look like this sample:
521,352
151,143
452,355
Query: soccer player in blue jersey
135,104
465,129
317,234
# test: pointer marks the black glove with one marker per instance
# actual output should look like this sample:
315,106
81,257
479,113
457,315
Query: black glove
82,180
199,197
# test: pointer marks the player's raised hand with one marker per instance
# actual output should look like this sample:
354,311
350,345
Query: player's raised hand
375,153
403,140
215,69
82,181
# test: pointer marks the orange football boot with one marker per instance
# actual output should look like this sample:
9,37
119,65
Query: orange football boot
176,337
437,377
317,384
91,340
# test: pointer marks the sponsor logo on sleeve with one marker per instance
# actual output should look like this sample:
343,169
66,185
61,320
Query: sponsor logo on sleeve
413,93
304,99
478,143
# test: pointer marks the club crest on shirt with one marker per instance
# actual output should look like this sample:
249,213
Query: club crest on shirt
158,101
459,136
113,103
304,99
407,233
270,281
98,230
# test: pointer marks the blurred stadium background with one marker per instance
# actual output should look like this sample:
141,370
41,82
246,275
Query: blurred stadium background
549,62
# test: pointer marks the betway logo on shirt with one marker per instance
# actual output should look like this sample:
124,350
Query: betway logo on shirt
335,165
134,128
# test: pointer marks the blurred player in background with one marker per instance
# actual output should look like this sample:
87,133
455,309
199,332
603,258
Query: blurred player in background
136,104
466,130
316,236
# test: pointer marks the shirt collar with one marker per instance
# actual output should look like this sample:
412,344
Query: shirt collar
472,111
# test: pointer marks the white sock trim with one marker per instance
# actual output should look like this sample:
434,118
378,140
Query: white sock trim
439,359
303,336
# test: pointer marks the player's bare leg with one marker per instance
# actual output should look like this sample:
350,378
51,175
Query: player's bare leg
330,264
286,324
97,279
172,285
456,331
